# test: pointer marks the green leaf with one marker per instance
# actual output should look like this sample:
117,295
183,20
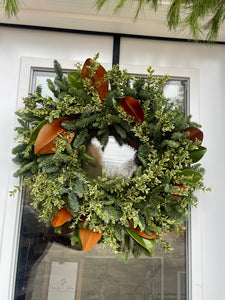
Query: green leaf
190,176
74,80
147,244
35,132
197,154
73,240
116,103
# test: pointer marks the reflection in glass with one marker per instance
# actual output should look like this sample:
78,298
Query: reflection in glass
49,268
114,159
39,79
175,90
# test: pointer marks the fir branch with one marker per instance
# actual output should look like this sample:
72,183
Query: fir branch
80,138
188,13
58,71
11,7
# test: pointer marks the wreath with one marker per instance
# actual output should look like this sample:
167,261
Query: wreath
63,170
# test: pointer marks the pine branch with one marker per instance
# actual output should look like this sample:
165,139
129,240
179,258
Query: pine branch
11,7
189,13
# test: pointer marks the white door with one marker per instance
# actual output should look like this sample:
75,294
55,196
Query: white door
203,67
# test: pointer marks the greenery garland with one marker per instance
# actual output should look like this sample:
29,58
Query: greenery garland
198,16
128,214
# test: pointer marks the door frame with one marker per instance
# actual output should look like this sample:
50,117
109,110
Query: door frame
13,211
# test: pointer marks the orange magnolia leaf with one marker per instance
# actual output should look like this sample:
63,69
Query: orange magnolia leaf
103,86
195,133
45,140
143,233
89,238
182,189
133,108
63,216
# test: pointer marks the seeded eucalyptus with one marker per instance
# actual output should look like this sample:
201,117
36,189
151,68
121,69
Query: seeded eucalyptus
68,183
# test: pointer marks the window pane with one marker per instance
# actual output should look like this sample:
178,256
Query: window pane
175,90
40,79
49,268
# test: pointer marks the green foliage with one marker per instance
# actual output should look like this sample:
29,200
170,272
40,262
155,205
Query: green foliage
195,15
11,7
189,13
147,244
72,176
212,11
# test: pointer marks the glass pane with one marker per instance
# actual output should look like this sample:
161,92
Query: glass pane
49,268
175,90
39,79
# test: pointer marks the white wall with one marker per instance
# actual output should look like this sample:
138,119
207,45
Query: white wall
207,65
208,62
15,44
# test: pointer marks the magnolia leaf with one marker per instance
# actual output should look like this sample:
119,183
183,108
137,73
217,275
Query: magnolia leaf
46,136
74,80
194,134
89,238
35,132
133,108
190,176
62,217
197,154
181,188
102,86
147,244
150,236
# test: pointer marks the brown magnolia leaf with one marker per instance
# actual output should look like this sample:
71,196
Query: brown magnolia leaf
62,217
45,140
133,108
133,144
103,86
89,238
143,233
182,189
194,133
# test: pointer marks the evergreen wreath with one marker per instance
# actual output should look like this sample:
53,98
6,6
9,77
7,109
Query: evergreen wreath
67,185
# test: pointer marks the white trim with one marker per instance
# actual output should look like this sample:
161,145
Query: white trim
195,228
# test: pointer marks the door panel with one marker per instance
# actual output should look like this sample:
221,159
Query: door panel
18,48
49,267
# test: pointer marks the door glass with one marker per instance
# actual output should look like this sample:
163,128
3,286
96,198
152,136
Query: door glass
49,268
176,90
39,79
